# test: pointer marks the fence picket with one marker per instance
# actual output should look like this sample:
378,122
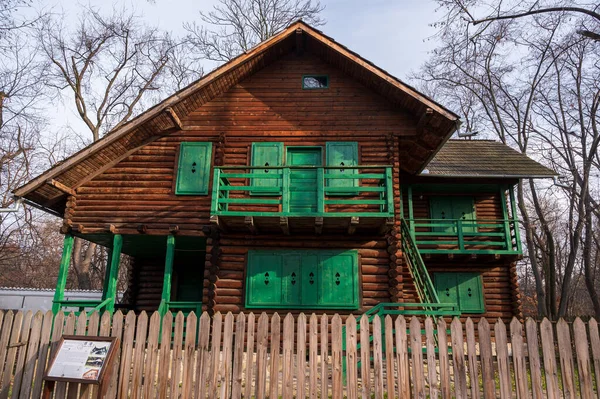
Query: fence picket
301,357
472,358
365,357
21,353
249,356
565,351
444,361
595,344
203,356
583,359
126,354
43,350
487,361
336,357
262,340
518,355
61,387
29,358
549,356
152,356
215,352
288,356
80,329
11,354
177,355
225,380
416,352
535,366
85,390
402,358
164,356
275,348
116,330
389,357
189,354
458,359
377,359
324,356
351,359
238,356
502,358
313,356
431,359
7,328
139,353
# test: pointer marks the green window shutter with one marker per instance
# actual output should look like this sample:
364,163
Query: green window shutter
464,208
266,154
342,153
441,209
264,279
445,285
291,279
470,293
463,289
310,279
302,279
193,170
339,279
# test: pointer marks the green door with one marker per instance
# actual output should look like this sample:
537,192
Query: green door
303,182
441,212
464,209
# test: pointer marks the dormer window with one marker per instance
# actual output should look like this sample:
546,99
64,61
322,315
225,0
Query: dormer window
312,82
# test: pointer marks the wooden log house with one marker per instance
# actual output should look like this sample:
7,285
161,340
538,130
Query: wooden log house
296,177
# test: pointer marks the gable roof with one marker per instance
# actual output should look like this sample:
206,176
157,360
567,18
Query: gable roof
484,158
435,123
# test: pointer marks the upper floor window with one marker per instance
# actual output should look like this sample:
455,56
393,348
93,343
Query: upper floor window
315,82
193,169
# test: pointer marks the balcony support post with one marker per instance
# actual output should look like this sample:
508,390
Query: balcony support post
166,291
63,271
318,225
249,221
507,233
515,218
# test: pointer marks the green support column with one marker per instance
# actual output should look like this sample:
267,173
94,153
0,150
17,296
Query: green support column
63,271
166,292
111,283
513,205
106,274
507,238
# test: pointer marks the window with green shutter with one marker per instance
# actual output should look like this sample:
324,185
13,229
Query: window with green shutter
266,154
463,289
452,208
193,169
343,154
302,279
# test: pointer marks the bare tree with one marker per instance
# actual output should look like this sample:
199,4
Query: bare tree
531,84
235,26
113,66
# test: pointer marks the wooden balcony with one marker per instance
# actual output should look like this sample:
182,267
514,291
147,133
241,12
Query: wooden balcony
464,237
303,199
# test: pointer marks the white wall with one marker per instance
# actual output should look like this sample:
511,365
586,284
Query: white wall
40,299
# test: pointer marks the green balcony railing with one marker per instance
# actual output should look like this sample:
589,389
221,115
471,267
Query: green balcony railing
459,236
339,191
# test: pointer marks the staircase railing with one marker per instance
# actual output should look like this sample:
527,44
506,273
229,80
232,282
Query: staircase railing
416,266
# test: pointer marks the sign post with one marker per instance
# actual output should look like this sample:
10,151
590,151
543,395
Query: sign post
81,360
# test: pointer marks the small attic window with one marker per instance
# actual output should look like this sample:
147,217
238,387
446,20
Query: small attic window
311,82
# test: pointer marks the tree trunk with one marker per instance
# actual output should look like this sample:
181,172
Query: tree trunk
82,261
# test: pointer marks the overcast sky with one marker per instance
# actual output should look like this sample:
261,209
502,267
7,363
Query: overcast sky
390,33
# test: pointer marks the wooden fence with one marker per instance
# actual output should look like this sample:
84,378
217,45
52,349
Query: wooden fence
249,356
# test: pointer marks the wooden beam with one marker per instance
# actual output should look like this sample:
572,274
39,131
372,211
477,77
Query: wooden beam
173,115
173,229
142,228
424,120
217,223
249,221
299,41
354,220
318,225
61,187
284,224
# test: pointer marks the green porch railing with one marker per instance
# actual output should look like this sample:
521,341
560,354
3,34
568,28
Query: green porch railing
416,266
94,306
185,307
460,236
236,186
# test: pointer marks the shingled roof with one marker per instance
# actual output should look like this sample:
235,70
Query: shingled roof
483,158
